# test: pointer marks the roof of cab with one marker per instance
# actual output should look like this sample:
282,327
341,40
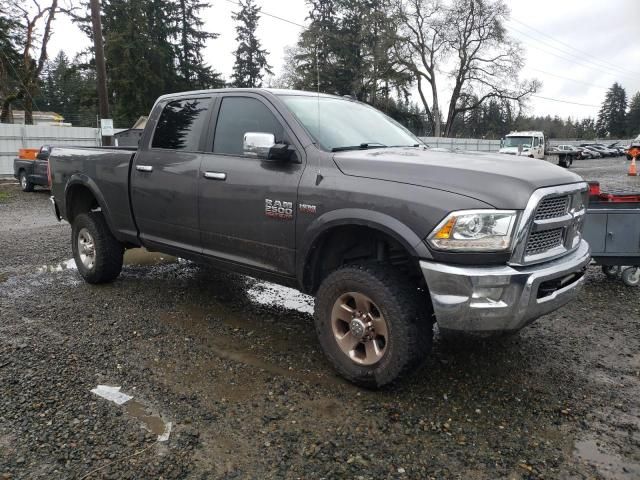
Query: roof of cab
273,91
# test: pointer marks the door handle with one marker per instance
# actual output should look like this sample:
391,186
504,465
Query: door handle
215,175
144,168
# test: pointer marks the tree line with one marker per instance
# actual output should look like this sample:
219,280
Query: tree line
393,54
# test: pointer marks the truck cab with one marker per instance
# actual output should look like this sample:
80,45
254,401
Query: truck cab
529,144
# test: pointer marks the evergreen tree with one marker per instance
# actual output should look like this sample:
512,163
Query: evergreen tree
251,60
10,61
152,47
194,73
69,90
612,115
633,117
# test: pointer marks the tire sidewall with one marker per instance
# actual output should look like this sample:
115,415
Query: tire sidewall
352,279
24,182
83,221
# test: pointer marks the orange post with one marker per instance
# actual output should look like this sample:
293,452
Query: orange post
633,170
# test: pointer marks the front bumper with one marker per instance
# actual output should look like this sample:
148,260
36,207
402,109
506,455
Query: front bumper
502,298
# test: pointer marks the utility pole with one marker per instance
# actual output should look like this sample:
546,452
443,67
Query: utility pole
101,69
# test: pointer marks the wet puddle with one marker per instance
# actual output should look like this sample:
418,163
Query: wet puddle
609,465
132,257
150,422
60,267
142,257
266,293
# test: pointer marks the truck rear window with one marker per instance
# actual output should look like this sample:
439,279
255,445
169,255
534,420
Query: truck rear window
181,124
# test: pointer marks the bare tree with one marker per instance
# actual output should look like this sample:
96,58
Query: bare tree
466,42
420,47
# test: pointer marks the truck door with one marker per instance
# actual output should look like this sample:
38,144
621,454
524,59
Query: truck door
164,177
238,193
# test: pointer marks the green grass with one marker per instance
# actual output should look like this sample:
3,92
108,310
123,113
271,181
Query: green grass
4,196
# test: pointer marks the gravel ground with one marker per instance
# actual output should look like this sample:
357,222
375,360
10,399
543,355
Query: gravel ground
234,366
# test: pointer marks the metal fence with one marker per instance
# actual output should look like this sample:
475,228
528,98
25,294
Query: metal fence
14,137
482,145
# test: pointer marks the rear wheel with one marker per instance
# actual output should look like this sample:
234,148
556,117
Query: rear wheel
98,254
372,323
25,184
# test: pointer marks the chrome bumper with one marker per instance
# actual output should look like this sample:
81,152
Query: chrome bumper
502,298
54,208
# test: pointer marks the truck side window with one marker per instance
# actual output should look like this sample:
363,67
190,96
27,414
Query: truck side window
535,141
239,115
181,123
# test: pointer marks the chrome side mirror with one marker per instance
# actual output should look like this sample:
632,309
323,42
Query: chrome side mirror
256,144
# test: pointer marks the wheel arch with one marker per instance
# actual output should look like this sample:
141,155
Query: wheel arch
82,195
323,228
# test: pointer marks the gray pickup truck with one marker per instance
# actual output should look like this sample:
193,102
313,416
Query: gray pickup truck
332,197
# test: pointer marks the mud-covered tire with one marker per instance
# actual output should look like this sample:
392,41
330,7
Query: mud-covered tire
404,308
611,271
108,252
25,184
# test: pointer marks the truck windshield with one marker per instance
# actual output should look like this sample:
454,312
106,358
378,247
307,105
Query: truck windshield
517,141
338,124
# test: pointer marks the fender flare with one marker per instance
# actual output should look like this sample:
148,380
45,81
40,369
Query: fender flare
387,224
90,184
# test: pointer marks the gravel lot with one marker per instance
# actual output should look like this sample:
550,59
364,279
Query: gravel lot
234,366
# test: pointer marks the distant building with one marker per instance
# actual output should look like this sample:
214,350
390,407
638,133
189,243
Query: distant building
39,118
131,136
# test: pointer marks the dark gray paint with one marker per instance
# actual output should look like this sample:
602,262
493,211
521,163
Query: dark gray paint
404,192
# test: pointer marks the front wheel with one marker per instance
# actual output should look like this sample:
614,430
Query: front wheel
98,254
372,323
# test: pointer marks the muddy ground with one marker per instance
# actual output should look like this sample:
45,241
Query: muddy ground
233,365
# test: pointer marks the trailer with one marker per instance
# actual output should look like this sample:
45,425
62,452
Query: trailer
612,229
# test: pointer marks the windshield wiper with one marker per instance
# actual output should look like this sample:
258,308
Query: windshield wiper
362,146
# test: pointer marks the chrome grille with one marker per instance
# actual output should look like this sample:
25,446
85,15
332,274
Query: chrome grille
552,207
540,242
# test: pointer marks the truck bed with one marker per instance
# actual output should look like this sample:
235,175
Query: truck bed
105,170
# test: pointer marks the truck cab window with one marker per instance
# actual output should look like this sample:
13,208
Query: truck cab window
181,124
535,141
239,115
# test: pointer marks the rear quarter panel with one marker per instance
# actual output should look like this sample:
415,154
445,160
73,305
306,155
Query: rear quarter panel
106,173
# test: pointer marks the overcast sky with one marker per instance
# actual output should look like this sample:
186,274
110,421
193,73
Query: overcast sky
591,43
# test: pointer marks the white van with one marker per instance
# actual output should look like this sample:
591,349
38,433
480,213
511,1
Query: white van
528,144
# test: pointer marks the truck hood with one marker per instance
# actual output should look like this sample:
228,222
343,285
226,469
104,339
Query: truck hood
503,181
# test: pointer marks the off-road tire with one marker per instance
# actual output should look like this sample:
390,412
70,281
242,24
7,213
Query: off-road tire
109,251
25,184
611,271
406,311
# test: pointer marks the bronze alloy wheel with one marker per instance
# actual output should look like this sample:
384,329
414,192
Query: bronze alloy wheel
359,328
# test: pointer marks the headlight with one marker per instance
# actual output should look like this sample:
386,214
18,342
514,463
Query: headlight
475,231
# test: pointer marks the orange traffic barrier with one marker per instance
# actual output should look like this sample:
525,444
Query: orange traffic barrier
633,170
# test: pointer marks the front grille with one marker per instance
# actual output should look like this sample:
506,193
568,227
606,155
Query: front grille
552,207
540,242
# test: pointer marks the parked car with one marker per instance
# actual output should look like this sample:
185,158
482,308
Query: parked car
584,153
32,172
328,195
595,152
